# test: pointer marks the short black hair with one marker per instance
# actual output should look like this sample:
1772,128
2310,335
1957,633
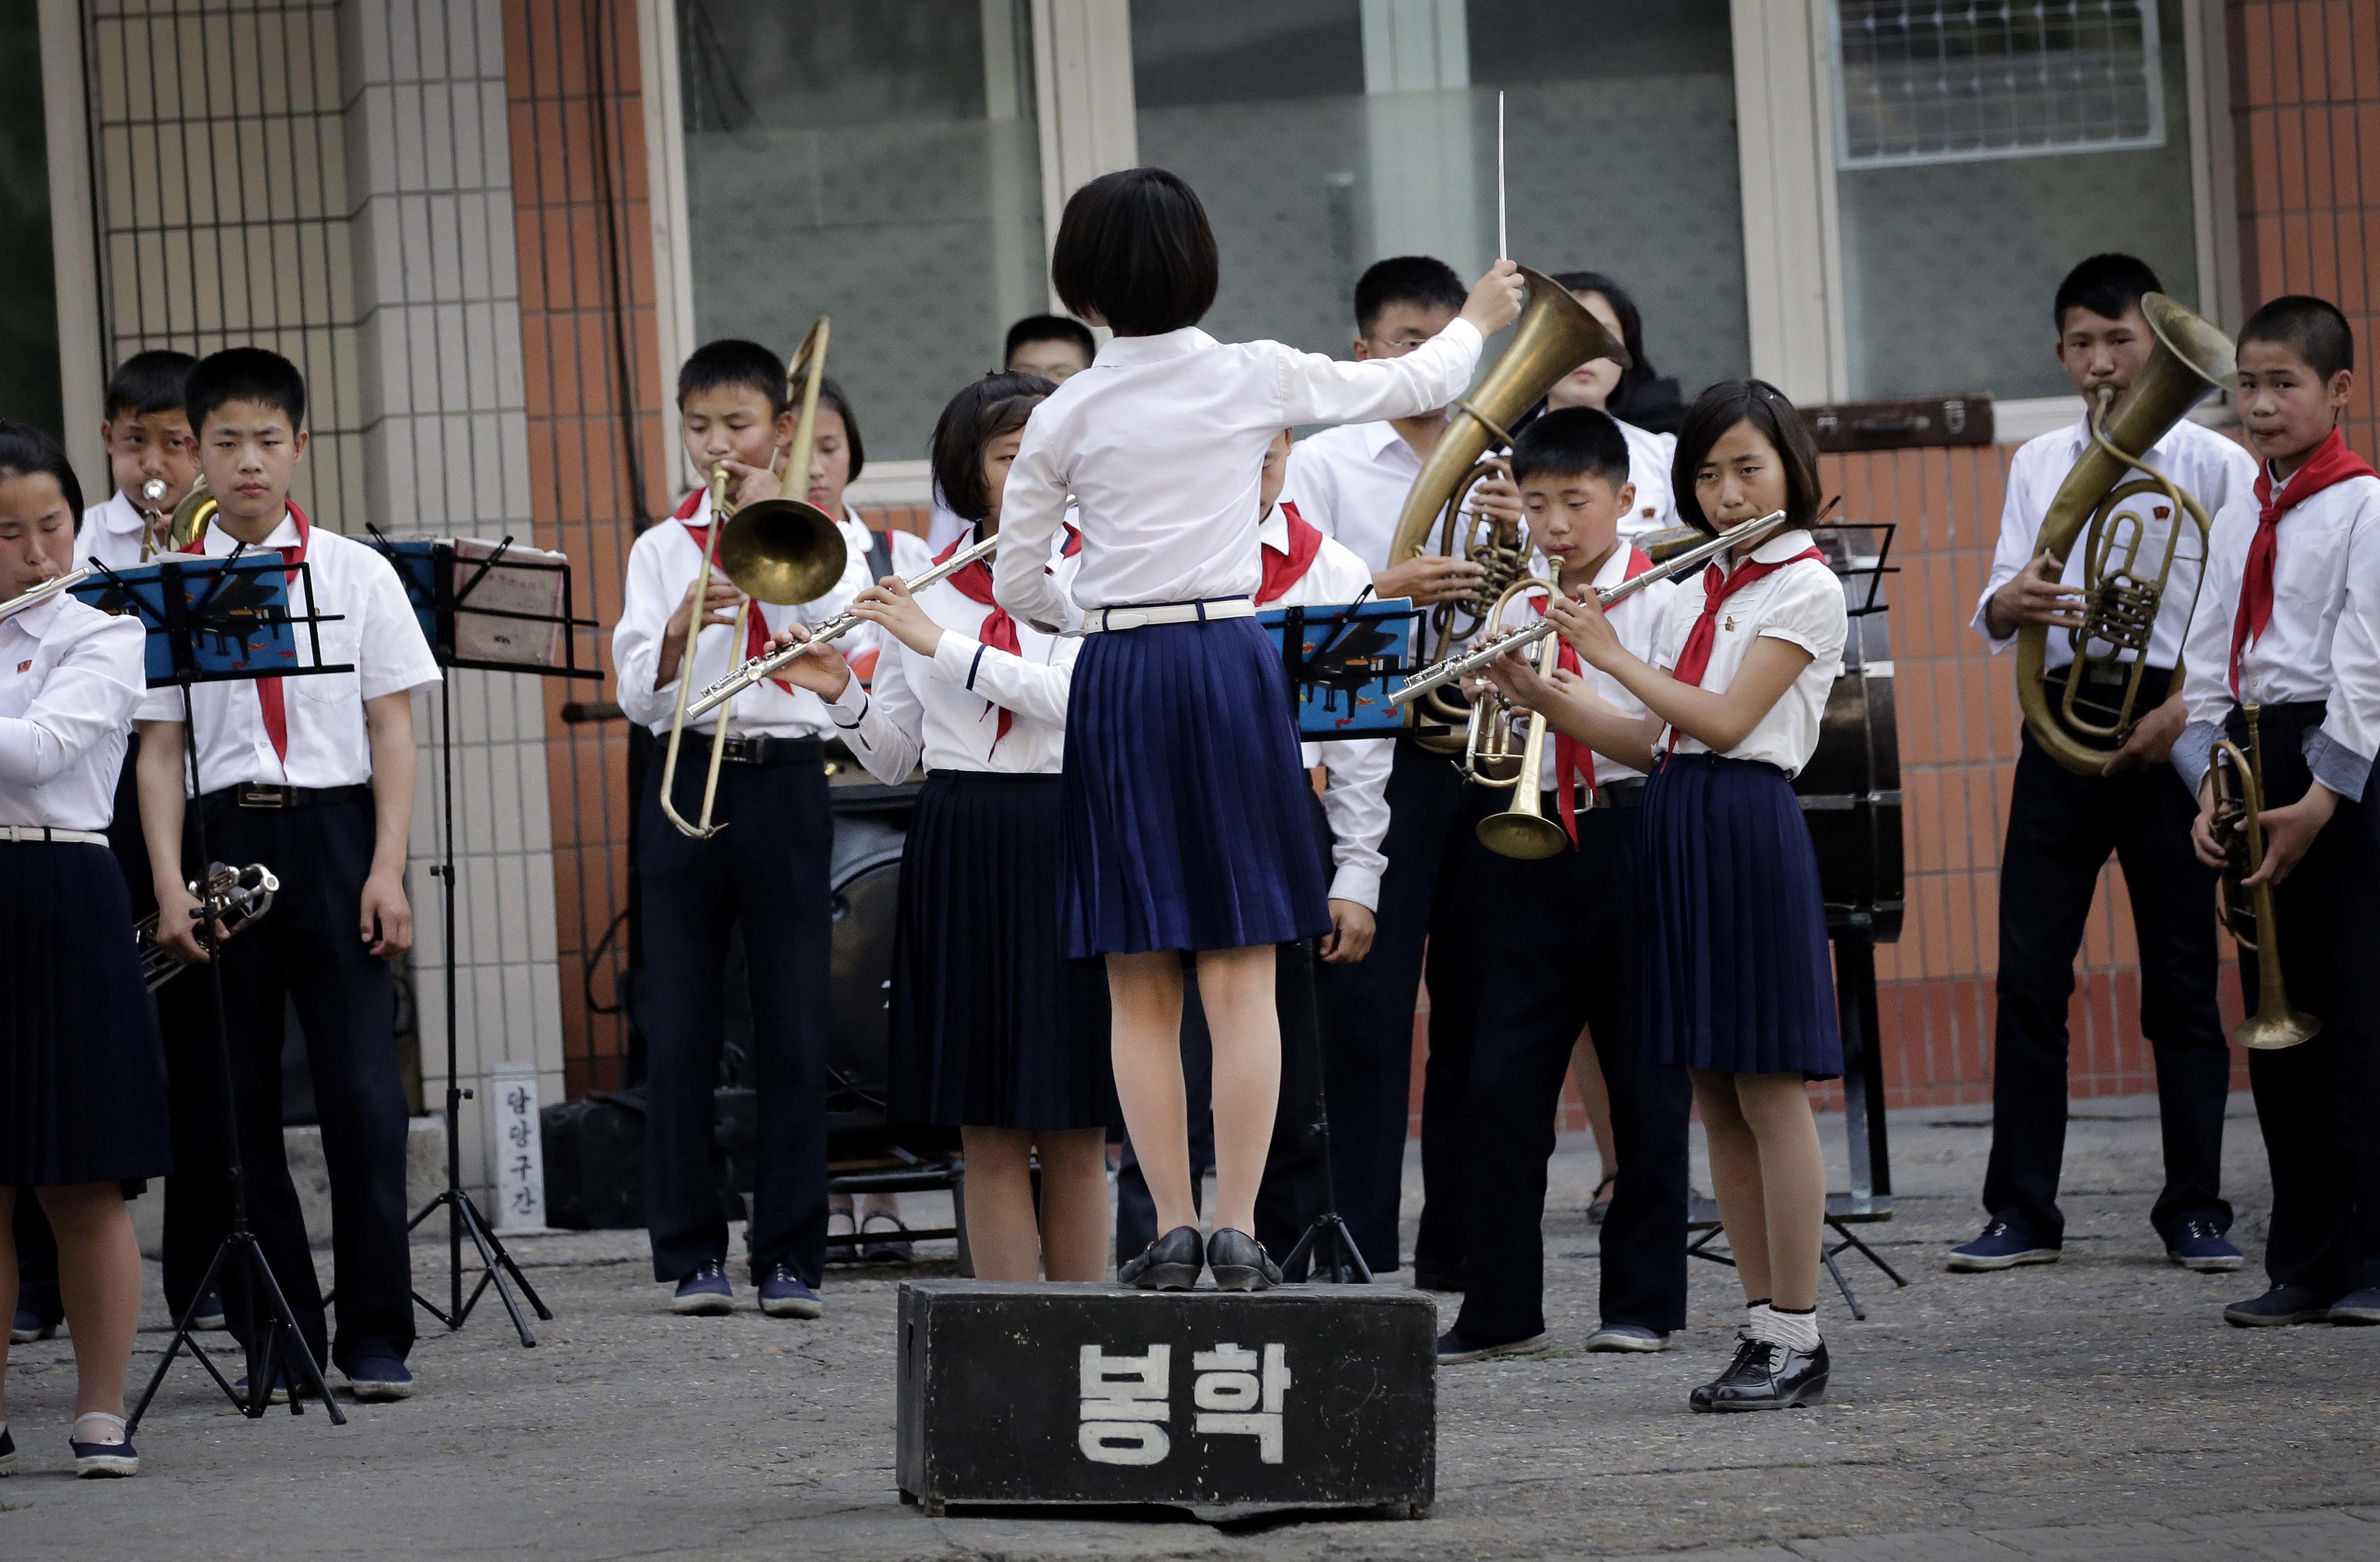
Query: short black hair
995,405
1051,329
28,451
1133,248
732,363
1571,442
155,381
1406,279
2313,328
830,397
244,374
2109,285
1766,408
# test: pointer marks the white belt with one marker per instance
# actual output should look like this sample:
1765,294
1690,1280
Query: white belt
29,834
1101,618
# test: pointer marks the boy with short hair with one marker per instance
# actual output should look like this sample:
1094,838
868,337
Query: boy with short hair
2063,827
313,777
1050,345
2289,627
152,454
1565,958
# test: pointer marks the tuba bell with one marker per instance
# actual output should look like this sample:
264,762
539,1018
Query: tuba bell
1554,335
2122,589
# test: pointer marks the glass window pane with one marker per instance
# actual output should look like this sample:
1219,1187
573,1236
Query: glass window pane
1324,135
877,163
29,302
2020,137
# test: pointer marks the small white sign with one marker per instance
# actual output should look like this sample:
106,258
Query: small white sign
515,1149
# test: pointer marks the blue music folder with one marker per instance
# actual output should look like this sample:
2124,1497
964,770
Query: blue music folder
1343,662
234,613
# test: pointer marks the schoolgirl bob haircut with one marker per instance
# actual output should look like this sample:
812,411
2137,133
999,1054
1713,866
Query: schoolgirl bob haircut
1766,408
28,451
995,405
1133,248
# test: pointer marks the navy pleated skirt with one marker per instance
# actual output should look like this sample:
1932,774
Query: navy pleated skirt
1186,804
1737,975
991,1026
82,1070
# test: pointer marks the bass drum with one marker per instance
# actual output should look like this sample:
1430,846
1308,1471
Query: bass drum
865,884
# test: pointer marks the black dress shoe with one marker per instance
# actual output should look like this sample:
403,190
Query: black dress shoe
1700,1398
1766,1376
1170,1263
1239,1261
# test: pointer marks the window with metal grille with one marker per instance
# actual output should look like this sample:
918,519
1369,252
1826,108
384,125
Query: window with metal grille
1994,79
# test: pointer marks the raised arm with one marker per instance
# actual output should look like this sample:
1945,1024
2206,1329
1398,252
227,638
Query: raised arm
1320,389
1032,509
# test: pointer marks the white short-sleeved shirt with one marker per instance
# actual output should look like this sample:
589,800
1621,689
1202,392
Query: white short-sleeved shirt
2214,468
1638,621
1650,458
111,533
376,632
70,677
1351,485
2323,641
1161,441
1801,603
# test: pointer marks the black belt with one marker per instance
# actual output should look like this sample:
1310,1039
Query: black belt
257,793
2294,716
764,749
1626,792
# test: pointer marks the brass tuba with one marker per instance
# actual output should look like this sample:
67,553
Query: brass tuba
2123,591
2240,827
1554,335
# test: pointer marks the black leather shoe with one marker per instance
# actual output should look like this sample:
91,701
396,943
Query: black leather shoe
1239,1261
1700,1398
1170,1263
1768,1376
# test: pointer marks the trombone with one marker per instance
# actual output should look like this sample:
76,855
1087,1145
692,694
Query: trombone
782,550
2240,829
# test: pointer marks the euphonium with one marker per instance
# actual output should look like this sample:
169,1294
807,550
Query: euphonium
2239,828
2121,594
1555,335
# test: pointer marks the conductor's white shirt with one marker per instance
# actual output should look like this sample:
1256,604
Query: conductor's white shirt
1801,603
2215,468
1355,791
945,708
662,567
1162,443
374,631
111,533
70,677
2323,641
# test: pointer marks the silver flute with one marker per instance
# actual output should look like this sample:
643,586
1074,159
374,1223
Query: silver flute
1476,659
46,590
758,667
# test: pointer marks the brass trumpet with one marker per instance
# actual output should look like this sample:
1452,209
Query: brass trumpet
2122,592
782,550
2240,829
1555,335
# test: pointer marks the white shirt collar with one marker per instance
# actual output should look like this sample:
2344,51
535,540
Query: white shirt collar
1615,568
120,514
1274,529
1119,352
1784,545
36,621
220,542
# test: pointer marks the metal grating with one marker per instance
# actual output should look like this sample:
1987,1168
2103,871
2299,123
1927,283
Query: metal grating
1994,79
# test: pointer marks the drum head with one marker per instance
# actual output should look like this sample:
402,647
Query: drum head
866,899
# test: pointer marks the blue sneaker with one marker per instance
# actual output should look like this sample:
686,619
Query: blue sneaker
30,1325
2280,1307
376,1379
784,1294
1627,1336
2357,1307
2200,1247
103,1460
208,1316
2001,1245
704,1293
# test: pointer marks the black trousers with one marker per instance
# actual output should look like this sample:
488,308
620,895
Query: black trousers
766,871
306,953
1459,938
1367,1020
2061,828
2316,1103
1565,957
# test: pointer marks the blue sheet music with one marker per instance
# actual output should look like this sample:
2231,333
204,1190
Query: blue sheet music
237,608
1343,662
417,565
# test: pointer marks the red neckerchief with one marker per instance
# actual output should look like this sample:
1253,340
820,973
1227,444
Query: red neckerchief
2332,462
998,630
1571,756
755,630
268,689
1283,570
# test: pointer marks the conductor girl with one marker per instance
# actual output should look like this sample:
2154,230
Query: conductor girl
1185,819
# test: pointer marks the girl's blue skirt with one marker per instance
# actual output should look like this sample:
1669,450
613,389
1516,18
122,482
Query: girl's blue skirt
1187,812
1737,975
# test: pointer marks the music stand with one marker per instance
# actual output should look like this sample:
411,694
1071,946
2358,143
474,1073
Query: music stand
488,637
213,620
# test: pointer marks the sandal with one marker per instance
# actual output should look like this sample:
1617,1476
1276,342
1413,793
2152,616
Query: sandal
888,1246
1599,1201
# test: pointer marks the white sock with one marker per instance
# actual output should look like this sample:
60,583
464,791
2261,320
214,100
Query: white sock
1795,1331
1752,1315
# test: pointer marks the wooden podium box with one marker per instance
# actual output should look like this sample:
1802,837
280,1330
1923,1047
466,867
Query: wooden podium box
1302,1397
